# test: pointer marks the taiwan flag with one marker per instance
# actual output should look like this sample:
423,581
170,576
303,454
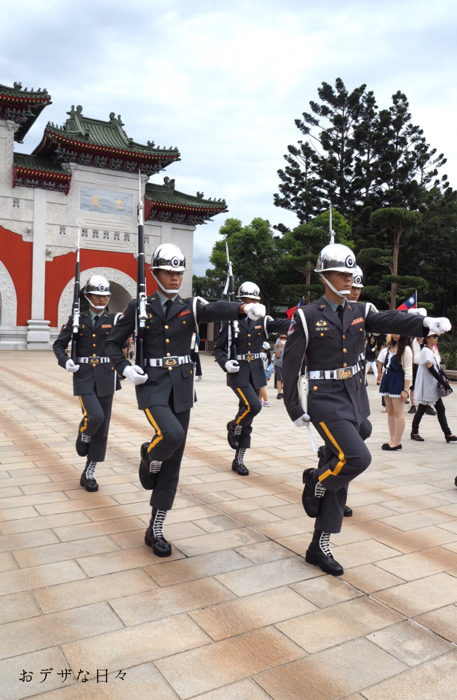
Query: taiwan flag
410,303
290,312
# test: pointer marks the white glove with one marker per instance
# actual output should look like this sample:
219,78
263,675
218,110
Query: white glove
437,325
254,311
71,367
135,374
232,366
303,421
418,312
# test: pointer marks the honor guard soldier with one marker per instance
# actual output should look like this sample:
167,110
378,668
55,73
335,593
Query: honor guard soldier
165,385
332,332
246,374
94,377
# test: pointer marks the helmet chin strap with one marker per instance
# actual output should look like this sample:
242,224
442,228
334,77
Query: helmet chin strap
98,308
166,291
343,293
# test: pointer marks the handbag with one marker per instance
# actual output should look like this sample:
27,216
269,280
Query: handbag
444,391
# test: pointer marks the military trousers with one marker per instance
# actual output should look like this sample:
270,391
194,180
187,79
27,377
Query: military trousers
249,407
96,419
344,457
167,446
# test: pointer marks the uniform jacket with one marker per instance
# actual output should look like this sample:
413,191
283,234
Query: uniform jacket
102,378
250,338
166,338
334,344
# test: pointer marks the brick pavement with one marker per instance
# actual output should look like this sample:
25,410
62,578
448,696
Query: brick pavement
235,613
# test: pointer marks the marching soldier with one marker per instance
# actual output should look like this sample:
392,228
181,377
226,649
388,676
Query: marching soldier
332,332
165,385
94,377
246,374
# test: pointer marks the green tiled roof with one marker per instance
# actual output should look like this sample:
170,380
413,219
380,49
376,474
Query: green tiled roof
106,135
22,106
166,194
21,160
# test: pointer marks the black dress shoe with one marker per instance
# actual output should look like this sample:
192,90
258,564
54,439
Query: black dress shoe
280,396
417,437
148,479
412,409
430,411
451,438
347,512
82,448
87,483
232,438
323,559
160,546
311,502
386,446
240,469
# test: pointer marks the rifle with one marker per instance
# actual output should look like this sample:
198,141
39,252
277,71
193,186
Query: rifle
75,309
331,232
232,328
141,314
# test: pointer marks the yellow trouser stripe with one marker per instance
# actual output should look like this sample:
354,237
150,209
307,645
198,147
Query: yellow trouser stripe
159,435
247,406
341,457
84,426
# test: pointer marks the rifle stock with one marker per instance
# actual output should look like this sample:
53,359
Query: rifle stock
75,310
141,314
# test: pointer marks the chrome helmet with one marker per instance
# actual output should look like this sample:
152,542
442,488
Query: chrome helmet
249,290
168,256
335,257
358,276
98,284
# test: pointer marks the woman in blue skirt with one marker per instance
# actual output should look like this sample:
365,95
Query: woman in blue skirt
398,372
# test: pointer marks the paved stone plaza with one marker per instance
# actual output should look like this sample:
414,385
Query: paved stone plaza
235,613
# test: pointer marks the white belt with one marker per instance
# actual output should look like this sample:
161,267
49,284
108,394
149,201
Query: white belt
341,373
249,357
92,360
171,361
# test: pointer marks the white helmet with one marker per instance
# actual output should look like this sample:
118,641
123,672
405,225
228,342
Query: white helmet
249,290
335,257
97,284
358,276
168,256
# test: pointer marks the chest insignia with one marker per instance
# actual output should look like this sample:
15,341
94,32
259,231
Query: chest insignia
321,324
357,320
107,325
257,327
184,313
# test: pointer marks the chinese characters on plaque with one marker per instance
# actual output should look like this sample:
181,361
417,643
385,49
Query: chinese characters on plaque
105,202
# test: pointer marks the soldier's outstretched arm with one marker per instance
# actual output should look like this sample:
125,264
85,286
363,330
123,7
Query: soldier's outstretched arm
61,343
220,347
291,366
278,325
119,334
404,324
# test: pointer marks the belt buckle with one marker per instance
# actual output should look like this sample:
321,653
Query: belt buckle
250,357
344,373
94,361
171,361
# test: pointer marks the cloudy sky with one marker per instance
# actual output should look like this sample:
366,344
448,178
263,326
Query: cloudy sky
224,81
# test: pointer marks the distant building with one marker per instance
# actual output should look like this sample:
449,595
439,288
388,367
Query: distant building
82,178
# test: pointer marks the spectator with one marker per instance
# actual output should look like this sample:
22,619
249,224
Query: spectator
428,379
398,372
268,367
278,354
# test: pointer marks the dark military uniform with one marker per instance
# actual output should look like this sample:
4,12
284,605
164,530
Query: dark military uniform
167,396
251,377
96,380
338,408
